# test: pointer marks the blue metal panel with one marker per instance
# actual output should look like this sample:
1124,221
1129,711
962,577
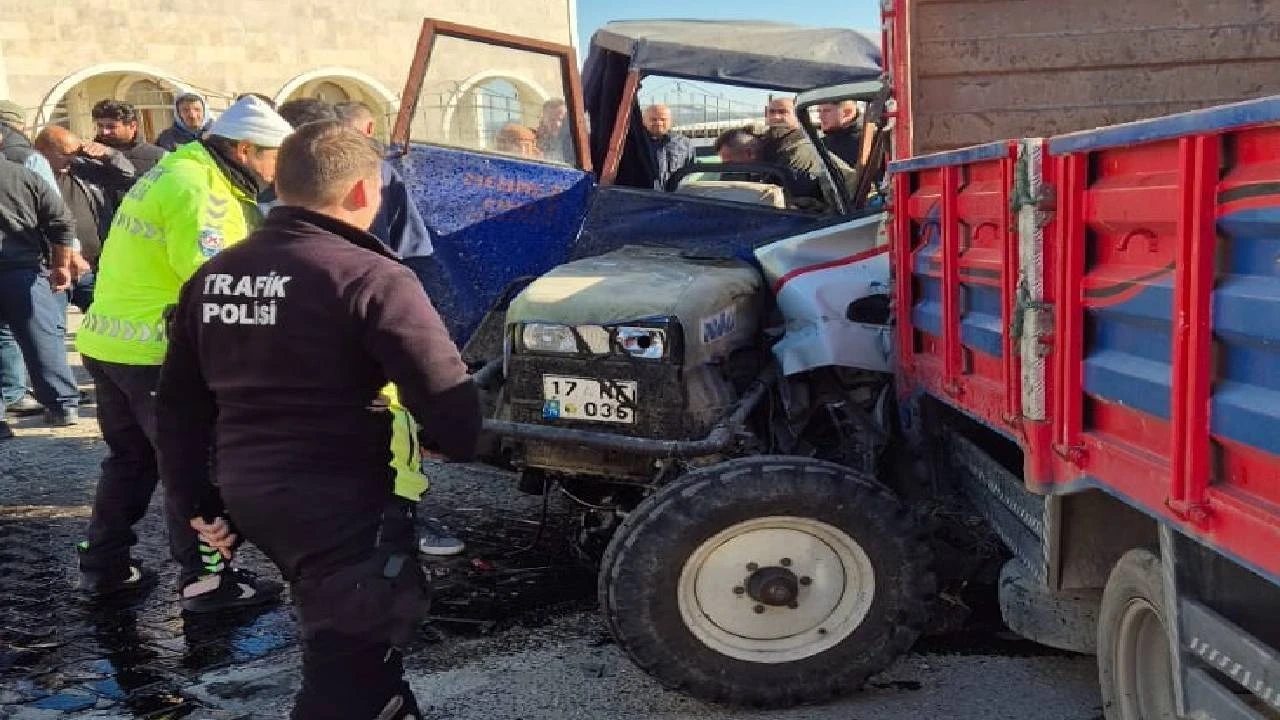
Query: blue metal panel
494,219
1250,112
927,314
1129,351
1129,381
977,153
706,226
980,323
1246,320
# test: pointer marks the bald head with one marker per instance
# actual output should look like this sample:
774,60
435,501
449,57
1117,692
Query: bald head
517,139
781,112
657,120
58,145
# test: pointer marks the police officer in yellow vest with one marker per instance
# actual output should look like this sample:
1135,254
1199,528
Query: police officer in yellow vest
192,204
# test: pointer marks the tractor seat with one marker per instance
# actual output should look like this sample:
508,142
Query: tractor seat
740,191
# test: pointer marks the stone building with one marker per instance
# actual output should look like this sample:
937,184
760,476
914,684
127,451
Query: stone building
59,57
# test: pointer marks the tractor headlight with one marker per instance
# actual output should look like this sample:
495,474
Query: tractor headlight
643,342
563,339
548,338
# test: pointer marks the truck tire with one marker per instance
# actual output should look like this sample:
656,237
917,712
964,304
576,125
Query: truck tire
1135,664
767,582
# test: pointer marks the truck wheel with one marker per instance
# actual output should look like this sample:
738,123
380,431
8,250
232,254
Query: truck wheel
767,582
1135,662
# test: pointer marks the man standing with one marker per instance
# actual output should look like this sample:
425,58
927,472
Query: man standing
118,128
785,143
189,122
34,224
400,227
670,151
398,224
15,147
840,131
14,143
195,202
321,317
92,179
554,141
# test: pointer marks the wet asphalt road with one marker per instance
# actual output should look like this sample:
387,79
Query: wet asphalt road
514,634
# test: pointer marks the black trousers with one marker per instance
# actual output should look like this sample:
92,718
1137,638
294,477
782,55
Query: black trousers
127,419
350,617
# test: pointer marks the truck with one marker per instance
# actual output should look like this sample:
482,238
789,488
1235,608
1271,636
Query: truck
1071,330
1086,328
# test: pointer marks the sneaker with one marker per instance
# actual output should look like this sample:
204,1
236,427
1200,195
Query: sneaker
234,588
96,587
61,418
25,407
6,432
436,542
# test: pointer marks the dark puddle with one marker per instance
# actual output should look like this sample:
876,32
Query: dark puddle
135,655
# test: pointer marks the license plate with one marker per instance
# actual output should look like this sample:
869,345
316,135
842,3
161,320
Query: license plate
575,398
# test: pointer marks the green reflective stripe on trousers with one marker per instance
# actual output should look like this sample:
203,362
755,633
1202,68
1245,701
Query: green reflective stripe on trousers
123,329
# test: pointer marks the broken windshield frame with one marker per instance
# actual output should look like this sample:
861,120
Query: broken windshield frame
434,30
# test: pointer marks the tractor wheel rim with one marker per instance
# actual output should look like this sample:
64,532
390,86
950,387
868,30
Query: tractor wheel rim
776,589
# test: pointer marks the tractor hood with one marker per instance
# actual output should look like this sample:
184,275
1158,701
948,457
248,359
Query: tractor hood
716,300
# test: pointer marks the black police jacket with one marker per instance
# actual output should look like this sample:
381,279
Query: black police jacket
278,350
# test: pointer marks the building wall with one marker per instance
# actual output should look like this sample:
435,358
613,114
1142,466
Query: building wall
234,46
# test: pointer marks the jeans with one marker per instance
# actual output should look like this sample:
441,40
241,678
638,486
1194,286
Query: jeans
127,418
13,374
37,319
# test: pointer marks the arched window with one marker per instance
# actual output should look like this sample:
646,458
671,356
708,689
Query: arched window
497,104
330,92
154,104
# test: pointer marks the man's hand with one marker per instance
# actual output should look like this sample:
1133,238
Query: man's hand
79,266
59,278
216,534
95,150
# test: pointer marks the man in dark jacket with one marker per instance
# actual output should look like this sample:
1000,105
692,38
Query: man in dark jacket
278,351
190,120
92,179
118,128
785,144
841,131
35,264
671,151
15,147
398,224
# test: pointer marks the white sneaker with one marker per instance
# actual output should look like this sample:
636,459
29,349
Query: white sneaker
438,543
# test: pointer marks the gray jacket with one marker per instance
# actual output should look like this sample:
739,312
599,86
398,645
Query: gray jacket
670,155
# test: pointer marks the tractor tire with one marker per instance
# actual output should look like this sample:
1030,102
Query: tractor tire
1135,662
767,582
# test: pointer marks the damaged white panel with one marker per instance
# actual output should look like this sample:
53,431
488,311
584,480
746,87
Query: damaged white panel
819,332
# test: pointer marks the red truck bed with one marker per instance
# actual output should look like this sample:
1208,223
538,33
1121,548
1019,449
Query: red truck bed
1110,299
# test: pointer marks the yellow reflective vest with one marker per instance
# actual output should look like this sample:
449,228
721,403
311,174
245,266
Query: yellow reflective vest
181,213
410,482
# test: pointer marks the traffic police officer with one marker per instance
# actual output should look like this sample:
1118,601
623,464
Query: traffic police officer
185,210
280,350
